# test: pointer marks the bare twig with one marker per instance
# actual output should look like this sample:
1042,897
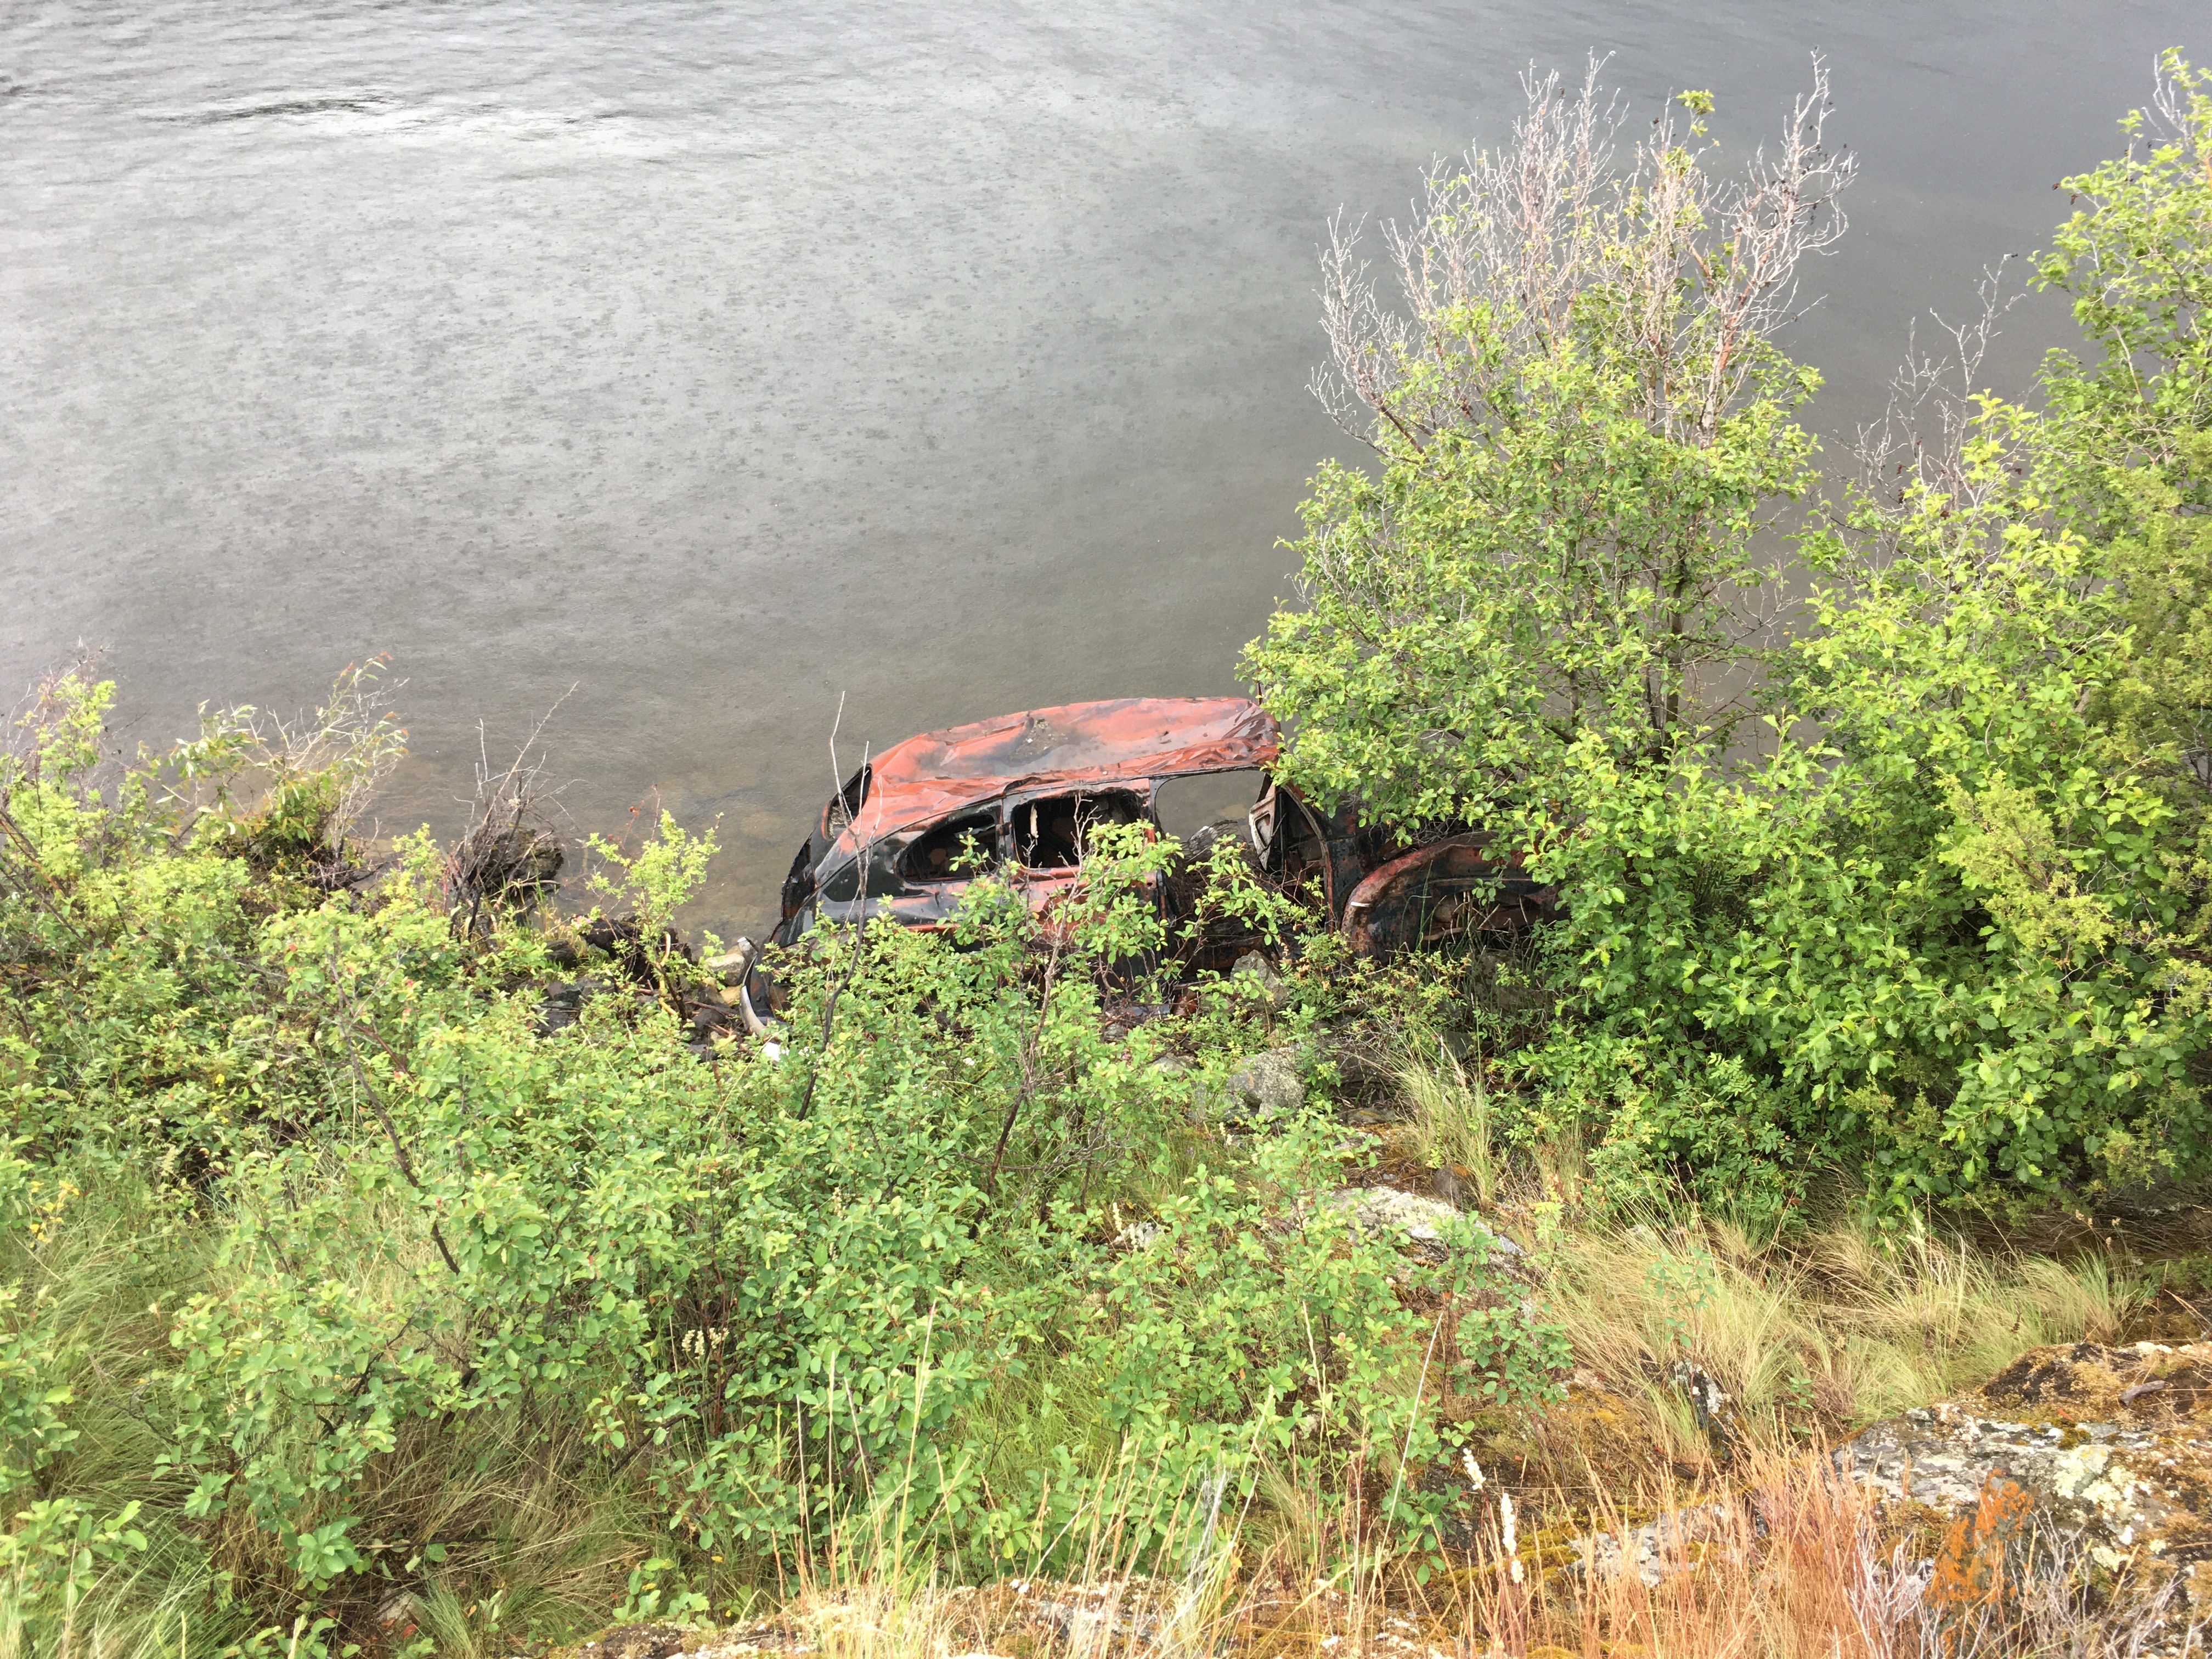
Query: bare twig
1703,270
1919,443
860,925
510,856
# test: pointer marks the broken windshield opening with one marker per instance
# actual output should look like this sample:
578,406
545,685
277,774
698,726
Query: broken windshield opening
1197,811
848,800
954,851
1051,833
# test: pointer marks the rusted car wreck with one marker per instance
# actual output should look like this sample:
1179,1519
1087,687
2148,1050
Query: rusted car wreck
1020,794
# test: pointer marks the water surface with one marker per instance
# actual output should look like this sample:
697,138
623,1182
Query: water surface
721,360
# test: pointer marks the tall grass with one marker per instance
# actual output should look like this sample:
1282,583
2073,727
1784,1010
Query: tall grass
1790,1562
541,1528
1810,1333
1449,1102
1137,1585
1807,1338
1845,1325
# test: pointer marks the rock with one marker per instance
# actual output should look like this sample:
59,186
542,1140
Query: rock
1137,1235
1268,1085
1255,974
1367,1061
732,966
1123,1018
1708,1402
2072,1461
636,957
1425,1224
1455,1184
1457,1523
2112,1446
562,1004
707,1010
1653,1550
652,1640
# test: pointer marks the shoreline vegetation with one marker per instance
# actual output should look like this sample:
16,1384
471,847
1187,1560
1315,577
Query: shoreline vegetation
1798,1245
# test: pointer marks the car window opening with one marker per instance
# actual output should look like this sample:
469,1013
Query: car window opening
1052,833
1200,809
955,850
845,803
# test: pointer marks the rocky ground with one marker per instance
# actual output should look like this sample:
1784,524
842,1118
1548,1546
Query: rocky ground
2103,1453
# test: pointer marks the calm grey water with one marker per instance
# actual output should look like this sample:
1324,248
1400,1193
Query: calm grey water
717,359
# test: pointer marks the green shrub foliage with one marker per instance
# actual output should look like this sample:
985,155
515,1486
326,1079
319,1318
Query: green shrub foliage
334,1266
889,1276
1938,915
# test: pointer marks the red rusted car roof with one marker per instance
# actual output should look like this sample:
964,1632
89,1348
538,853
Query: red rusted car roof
928,776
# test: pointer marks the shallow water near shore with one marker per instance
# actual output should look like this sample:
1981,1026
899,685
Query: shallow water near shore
720,360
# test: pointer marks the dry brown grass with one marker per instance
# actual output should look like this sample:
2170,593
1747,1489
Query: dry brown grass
1810,1334
1792,1564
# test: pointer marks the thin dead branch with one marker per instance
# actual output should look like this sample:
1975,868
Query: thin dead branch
1702,269
509,859
1919,444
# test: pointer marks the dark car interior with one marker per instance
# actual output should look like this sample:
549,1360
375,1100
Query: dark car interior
955,850
1049,833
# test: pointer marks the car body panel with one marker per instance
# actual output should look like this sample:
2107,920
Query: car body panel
1132,740
887,843
1124,746
1452,886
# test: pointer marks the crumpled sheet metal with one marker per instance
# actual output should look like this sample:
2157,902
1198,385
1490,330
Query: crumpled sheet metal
940,773
1453,885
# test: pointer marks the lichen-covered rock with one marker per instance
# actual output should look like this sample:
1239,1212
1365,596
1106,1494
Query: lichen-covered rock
1268,1085
1427,1224
2112,1446
652,1639
1655,1549
1256,976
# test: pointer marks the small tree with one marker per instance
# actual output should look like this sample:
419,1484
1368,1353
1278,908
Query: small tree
1951,932
2125,449
1583,422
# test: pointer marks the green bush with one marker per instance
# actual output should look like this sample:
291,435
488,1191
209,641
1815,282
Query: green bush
1939,919
411,1248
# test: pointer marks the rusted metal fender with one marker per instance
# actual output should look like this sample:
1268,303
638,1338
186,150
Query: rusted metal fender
1452,886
